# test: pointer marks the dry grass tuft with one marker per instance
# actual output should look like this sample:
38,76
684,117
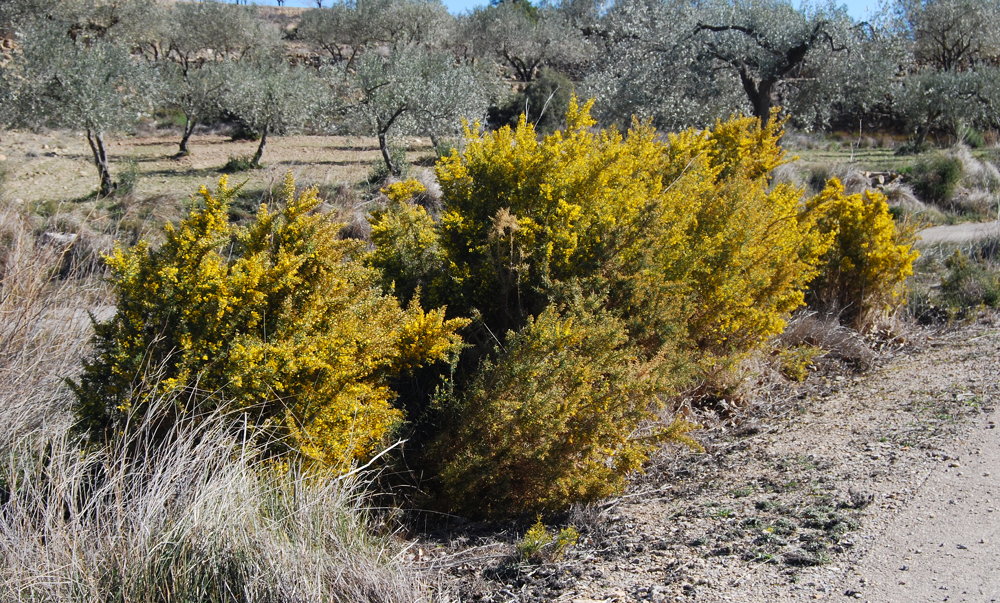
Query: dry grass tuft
826,332
201,519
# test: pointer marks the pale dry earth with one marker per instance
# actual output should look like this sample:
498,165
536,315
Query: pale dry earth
959,233
876,486
57,165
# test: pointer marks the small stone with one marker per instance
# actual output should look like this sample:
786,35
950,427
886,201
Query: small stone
961,547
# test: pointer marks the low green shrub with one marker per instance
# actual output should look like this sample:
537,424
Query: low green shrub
541,545
970,137
968,284
379,172
935,178
128,178
237,163
549,420
543,102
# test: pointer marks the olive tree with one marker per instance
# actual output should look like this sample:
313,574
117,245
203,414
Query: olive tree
769,45
75,74
648,66
951,77
524,38
199,37
346,29
415,90
271,97
687,63
951,35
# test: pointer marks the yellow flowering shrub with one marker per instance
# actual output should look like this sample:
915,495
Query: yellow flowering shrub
277,321
687,237
863,272
407,250
695,259
544,423
403,190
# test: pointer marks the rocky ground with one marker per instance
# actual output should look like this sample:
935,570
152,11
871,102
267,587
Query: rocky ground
876,486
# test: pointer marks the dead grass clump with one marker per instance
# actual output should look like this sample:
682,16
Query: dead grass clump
854,180
826,332
430,198
976,173
200,519
789,173
45,325
978,190
901,196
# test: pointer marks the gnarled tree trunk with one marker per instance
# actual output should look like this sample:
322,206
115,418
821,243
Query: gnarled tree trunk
96,141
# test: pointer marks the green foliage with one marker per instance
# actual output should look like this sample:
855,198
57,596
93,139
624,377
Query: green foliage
380,171
549,420
276,321
970,136
795,361
407,251
935,178
969,284
128,178
543,102
863,272
237,163
540,545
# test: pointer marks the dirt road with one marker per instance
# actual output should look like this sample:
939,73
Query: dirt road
959,233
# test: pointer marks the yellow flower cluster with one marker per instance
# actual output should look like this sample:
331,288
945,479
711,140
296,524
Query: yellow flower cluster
278,320
864,270
611,269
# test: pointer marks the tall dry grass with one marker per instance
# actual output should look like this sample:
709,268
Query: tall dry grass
203,518
44,325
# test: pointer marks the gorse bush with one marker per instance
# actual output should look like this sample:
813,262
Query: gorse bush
541,424
863,272
690,258
278,320
407,249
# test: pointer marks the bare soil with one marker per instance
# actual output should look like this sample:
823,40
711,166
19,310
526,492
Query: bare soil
878,487
57,166
959,233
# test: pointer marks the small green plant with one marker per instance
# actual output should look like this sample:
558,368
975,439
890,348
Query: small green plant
128,178
969,284
970,136
935,178
540,545
379,172
237,163
795,362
